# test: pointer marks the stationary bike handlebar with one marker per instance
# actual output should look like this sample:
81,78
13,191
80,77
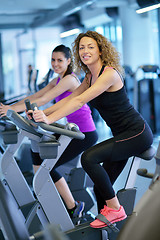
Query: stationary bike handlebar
41,128
67,129
6,124
70,129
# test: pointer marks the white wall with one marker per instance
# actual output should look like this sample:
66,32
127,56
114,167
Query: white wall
138,38
10,62
44,40
18,47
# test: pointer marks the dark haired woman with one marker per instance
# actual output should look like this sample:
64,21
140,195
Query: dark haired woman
59,88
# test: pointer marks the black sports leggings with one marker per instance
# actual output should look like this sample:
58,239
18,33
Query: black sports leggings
113,154
74,148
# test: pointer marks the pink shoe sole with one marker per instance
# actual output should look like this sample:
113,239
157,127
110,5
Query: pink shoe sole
103,225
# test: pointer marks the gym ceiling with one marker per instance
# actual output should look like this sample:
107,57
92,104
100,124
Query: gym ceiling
24,14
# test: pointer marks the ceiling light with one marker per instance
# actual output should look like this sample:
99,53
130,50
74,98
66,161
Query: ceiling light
69,33
69,12
146,9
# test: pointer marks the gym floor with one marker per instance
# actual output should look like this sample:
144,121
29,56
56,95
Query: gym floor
141,183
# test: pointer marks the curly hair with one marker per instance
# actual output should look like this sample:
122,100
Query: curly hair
68,54
109,55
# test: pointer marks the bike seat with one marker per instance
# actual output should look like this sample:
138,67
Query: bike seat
148,154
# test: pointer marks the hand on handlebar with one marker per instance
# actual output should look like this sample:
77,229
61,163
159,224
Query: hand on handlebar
4,109
39,116
29,114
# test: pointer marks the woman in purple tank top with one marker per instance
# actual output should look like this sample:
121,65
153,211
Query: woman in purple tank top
59,88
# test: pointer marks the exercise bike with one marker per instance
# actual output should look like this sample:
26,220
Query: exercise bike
123,194
144,221
44,189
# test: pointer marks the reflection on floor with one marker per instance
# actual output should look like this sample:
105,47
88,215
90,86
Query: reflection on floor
141,184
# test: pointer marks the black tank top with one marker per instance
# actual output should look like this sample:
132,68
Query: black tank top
116,110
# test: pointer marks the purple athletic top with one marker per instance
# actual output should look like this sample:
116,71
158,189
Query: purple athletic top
81,117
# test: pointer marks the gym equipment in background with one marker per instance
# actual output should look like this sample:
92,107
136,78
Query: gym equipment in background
146,94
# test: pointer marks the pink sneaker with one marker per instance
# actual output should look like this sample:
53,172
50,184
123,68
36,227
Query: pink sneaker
108,214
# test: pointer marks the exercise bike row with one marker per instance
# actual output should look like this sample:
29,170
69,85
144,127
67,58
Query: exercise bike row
46,194
47,207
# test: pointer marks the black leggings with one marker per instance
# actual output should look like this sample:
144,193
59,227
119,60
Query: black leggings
74,148
113,154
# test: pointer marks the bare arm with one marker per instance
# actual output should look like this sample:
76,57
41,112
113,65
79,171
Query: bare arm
61,103
68,83
20,106
108,80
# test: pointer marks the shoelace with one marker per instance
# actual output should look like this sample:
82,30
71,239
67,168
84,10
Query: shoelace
104,210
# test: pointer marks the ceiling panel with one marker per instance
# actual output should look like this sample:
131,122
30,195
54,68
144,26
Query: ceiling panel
23,13
24,6
37,13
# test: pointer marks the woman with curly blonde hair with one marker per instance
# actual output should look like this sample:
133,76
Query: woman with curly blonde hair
109,55
103,87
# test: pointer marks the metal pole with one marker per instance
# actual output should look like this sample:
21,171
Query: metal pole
1,71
